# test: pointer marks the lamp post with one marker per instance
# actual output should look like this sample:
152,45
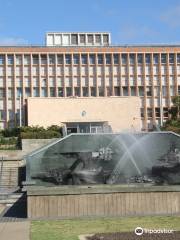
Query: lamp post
20,111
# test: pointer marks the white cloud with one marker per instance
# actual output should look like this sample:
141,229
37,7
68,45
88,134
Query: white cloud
11,41
171,17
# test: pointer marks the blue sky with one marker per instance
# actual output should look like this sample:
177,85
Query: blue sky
129,21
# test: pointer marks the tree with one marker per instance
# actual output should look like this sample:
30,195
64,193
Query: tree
175,109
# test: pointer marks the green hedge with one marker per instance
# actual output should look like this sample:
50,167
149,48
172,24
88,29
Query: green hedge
40,135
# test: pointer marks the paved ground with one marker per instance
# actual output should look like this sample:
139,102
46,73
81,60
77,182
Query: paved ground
15,230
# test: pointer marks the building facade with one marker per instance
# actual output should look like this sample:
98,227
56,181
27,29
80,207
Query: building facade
94,70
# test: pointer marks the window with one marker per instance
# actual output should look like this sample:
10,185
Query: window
149,91
84,59
178,90
82,38
10,93
178,58
157,112
90,39
108,91
92,59
35,59
19,92
164,91
142,112
18,59
116,58
148,58
171,58
2,115
165,112
149,112
68,92
116,91
101,92
105,39
155,58
131,58
68,59
163,58
10,59
124,58
27,92
77,91
93,92
60,59
76,59
60,92
140,58
52,92
100,59
2,92
141,91
85,91
98,38
26,59
125,91
51,59
108,58
43,92
133,91
43,59
35,92
11,114
2,59
74,39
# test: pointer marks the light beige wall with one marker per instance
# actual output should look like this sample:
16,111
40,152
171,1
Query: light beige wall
122,113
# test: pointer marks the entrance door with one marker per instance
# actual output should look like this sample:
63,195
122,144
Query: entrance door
72,130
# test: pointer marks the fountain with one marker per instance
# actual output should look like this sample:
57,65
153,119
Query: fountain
100,164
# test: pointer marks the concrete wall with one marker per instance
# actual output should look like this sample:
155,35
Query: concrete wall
122,113
113,204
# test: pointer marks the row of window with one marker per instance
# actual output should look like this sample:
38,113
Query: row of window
101,58
101,91
157,112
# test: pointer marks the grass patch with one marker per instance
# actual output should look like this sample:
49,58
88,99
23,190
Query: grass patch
70,229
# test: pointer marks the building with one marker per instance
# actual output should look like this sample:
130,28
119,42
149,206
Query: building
87,65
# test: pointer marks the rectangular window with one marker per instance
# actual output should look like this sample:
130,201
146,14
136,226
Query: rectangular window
68,91
92,59
18,59
164,91
105,39
76,59
108,91
82,38
43,59
131,58
148,58
93,92
141,91
85,91
10,93
178,58
178,90
98,38
77,91
84,59
155,58
171,58
100,59
26,59
157,112
18,92
60,92
10,59
140,58
116,91
52,92
125,91
35,59
163,58
68,59
11,114
101,92
51,59
116,58
2,59
149,112
43,92
165,112
142,112
149,91
133,91
90,39
27,92
2,115
74,39
60,59
108,58
124,58
35,92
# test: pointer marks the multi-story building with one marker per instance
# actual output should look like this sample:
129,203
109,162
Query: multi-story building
87,65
